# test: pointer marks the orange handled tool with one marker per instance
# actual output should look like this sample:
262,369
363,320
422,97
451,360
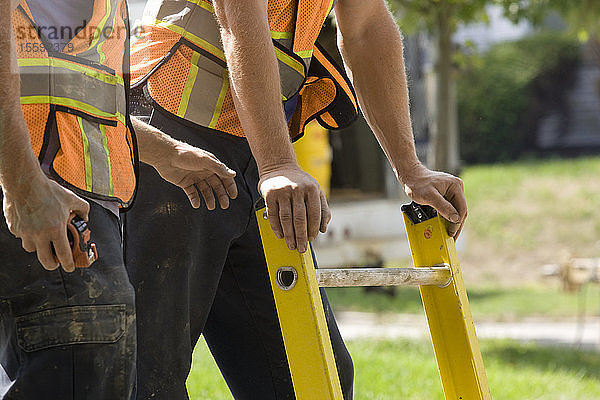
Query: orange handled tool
78,233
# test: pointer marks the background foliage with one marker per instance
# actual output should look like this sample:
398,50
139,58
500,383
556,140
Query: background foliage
503,94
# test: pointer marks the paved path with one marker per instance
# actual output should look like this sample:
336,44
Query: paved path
356,325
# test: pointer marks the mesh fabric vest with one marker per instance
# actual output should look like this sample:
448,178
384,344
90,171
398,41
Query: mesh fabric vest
75,102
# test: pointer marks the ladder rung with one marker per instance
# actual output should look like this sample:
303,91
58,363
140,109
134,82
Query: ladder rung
438,275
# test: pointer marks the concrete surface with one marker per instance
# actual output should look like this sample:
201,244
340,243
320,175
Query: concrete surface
359,325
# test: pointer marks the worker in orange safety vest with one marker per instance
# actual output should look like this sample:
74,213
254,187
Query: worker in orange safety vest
67,145
242,79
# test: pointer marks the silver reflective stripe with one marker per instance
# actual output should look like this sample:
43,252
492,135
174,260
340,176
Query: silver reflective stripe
292,72
287,43
99,159
95,93
121,101
307,62
210,66
196,23
290,80
204,97
193,20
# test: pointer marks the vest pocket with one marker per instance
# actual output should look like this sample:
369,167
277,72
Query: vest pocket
71,325
327,96
87,152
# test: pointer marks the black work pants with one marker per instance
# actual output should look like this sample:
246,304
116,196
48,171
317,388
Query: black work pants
67,335
203,272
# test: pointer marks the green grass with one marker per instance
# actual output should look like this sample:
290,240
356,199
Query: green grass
487,302
526,205
205,381
403,369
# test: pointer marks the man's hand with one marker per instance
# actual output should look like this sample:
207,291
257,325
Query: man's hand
442,191
37,213
193,170
296,206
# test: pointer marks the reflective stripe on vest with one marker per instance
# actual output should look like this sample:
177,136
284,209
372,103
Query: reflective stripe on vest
95,51
87,144
198,91
97,157
58,81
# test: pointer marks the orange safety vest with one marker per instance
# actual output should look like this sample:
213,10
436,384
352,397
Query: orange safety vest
75,102
180,59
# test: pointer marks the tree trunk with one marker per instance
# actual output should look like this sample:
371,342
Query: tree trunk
443,146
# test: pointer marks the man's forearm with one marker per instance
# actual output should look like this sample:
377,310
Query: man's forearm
371,45
186,166
17,161
255,81
375,63
153,145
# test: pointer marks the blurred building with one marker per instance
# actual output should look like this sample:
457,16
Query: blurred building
572,128
575,129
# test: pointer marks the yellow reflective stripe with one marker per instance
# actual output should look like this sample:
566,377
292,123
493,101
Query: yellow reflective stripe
281,35
191,37
108,12
105,144
56,62
289,61
99,28
101,53
220,100
330,6
305,53
204,4
120,117
73,104
189,84
87,158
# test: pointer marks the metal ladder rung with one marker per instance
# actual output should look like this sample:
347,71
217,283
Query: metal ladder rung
437,275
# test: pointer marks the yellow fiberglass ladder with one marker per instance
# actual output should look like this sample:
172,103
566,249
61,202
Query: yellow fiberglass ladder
295,284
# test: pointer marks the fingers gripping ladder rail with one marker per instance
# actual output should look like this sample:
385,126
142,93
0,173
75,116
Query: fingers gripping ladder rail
295,284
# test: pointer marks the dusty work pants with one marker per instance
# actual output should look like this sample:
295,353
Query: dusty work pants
67,336
203,272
